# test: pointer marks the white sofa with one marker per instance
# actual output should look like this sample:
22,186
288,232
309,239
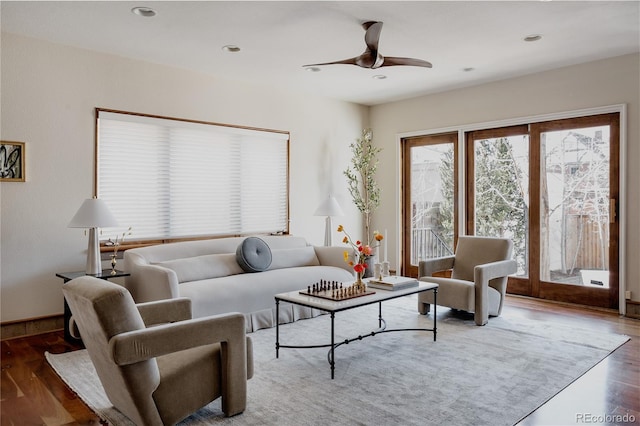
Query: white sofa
207,272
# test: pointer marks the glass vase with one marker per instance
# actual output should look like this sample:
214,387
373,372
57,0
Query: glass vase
359,285
113,264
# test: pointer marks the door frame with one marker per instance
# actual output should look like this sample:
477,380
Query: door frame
463,129
406,144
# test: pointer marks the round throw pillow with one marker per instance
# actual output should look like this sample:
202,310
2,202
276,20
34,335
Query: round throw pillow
253,255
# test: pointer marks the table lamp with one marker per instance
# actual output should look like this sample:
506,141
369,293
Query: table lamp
93,214
328,208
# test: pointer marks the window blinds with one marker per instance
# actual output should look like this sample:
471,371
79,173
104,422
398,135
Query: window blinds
169,178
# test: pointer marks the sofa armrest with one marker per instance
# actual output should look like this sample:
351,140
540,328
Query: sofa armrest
426,268
165,311
333,256
151,282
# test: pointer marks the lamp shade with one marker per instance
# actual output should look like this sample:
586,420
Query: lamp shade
93,213
329,207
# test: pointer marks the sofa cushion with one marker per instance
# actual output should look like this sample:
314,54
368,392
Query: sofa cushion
253,255
294,257
203,267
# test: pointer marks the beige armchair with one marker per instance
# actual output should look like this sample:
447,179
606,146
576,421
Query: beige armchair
478,280
156,364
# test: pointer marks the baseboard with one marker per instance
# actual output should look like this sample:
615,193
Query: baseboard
30,327
633,309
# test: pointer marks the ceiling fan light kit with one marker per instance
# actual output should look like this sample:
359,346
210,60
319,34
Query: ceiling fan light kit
145,12
231,48
371,58
532,37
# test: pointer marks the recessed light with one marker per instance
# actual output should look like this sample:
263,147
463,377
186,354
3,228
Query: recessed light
379,77
312,69
231,48
147,12
532,37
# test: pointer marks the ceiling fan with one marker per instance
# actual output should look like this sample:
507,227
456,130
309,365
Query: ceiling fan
371,58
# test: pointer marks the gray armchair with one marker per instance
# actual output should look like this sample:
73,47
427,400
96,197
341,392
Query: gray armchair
156,364
478,282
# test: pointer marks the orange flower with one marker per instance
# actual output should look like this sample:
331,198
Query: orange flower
361,251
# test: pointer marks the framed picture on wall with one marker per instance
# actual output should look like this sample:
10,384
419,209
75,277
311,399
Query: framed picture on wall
12,161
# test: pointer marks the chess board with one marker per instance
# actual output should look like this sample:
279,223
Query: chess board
334,291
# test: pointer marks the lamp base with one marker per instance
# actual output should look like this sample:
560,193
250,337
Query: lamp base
328,232
94,263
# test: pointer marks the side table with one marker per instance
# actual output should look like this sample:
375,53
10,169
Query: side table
68,276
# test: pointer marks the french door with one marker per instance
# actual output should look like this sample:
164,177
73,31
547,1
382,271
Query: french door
429,192
552,187
574,221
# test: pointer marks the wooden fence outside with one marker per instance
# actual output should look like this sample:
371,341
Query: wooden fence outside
586,243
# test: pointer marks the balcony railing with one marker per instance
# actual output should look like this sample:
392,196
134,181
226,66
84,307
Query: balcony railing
426,244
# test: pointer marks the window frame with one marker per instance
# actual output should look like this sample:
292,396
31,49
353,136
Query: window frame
133,242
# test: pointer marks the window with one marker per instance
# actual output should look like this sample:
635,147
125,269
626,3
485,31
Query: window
169,178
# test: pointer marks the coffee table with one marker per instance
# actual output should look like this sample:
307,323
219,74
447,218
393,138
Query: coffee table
333,307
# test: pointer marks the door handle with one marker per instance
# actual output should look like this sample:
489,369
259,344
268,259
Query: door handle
612,210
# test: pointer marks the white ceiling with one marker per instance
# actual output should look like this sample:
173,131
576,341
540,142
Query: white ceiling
277,38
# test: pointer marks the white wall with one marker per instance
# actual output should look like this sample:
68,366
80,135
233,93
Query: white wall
596,84
49,93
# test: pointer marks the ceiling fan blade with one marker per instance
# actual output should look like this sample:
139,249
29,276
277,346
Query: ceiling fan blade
372,35
350,61
390,61
371,58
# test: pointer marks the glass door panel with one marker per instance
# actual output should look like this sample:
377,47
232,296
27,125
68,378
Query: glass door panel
501,192
429,199
574,215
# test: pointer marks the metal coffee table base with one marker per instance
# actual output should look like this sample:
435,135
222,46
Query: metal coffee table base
333,345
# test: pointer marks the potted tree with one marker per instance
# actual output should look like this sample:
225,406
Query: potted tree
363,187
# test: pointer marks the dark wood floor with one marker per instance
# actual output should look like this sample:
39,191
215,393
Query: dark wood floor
32,394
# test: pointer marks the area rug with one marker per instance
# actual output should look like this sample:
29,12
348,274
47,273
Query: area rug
491,375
